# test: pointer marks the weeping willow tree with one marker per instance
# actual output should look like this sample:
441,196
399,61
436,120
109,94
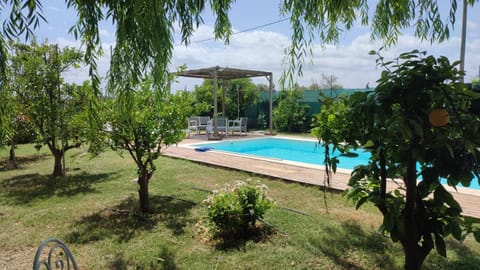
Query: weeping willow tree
326,20
144,36
139,47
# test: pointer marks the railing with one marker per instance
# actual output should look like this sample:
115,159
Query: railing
54,254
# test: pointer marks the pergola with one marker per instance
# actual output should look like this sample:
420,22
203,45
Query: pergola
224,73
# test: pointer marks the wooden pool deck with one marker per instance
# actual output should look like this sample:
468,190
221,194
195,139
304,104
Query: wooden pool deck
469,199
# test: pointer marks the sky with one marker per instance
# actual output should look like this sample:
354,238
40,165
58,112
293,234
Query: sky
264,48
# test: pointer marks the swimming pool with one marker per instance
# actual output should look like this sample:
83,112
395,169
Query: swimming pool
305,151
294,150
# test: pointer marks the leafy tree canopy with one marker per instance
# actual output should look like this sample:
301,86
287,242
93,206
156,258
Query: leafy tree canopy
290,114
325,20
418,127
239,94
139,50
142,120
55,108
144,48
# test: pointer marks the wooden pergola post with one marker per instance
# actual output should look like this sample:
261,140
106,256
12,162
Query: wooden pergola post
224,86
270,107
215,100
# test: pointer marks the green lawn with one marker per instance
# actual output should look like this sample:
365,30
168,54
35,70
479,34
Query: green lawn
93,210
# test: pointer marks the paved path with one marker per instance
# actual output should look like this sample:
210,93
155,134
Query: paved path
469,199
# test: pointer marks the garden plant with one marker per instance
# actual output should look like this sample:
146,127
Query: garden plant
233,211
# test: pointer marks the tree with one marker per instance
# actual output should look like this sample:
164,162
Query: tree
325,20
290,114
314,86
330,126
22,132
476,84
9,109
414,124
261,87
142,48
239,94
20,128
143,120
330,82
56,109
203,98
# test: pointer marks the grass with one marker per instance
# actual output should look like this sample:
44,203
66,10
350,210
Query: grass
94,210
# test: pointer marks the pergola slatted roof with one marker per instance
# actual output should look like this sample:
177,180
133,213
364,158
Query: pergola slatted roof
223,73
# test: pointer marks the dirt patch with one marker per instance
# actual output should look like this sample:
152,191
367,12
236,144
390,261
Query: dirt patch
17,258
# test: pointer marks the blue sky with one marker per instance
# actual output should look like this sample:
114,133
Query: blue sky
263,48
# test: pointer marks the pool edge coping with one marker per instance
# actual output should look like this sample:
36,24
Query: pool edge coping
462,190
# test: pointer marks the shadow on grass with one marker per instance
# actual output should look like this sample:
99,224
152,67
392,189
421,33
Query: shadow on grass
227,241
21,161
465,259
343,243
164,260
22,189
339,243
122,222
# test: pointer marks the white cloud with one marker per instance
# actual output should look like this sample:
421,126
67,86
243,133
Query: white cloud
258,50
104,33
472,62
79,75
63,42
265,50
350,62
472,27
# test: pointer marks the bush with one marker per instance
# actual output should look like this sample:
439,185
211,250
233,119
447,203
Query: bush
291,114
476,84
261,121
234,210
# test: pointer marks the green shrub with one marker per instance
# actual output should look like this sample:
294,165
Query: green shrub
291,114
261,121
476,84
234,210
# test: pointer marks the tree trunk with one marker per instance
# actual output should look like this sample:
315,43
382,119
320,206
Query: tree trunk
143,180
383,183
413,252
58,165
383,174
12,158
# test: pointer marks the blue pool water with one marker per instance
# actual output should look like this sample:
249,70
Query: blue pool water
285,149
291,150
